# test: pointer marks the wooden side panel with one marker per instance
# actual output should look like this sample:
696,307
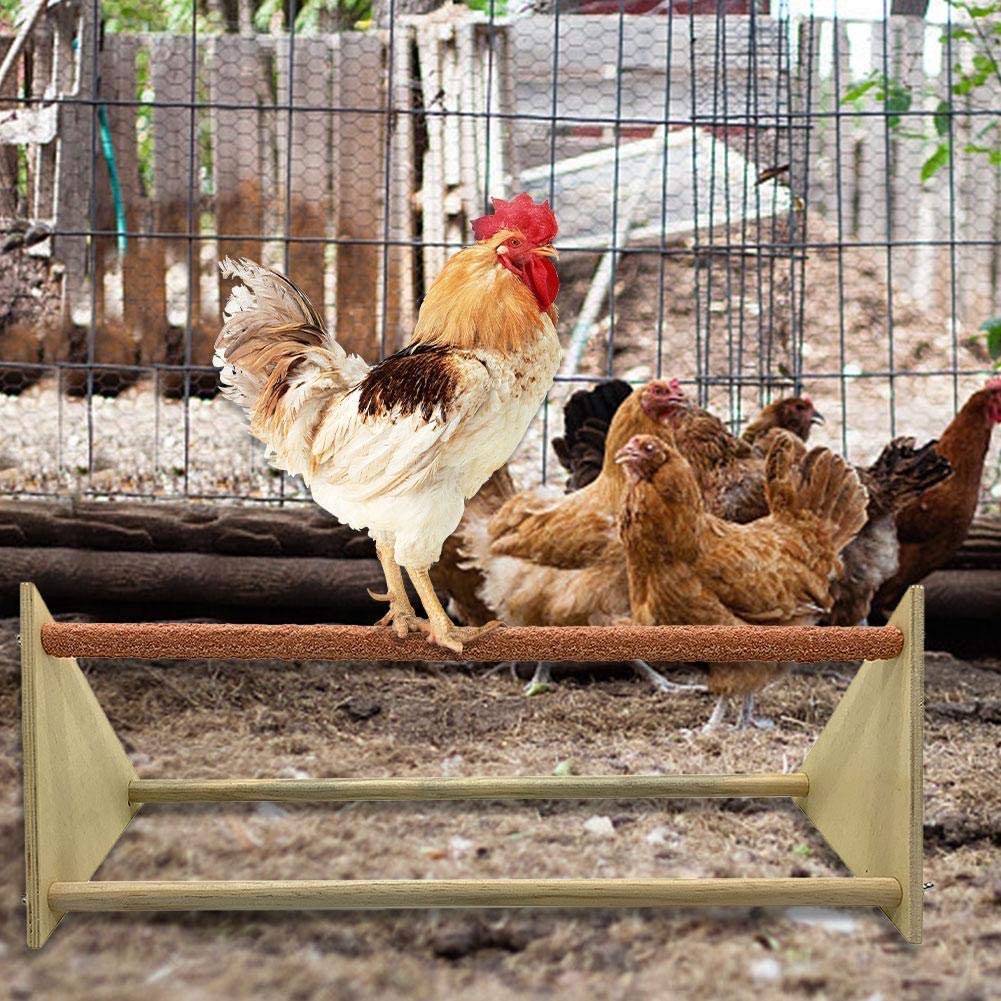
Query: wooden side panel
76,774
866,770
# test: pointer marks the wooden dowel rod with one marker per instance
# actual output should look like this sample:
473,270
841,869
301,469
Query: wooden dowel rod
363,894
716,644
796,784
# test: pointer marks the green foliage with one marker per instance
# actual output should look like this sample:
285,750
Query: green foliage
496,8
992,335
982,31
314,16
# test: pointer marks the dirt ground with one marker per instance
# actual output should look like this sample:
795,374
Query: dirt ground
217,719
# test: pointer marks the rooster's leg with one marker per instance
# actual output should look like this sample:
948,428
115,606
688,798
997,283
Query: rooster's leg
440,628
661,683
401,615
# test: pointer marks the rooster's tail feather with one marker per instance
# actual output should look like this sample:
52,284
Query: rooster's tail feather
817,481
274,351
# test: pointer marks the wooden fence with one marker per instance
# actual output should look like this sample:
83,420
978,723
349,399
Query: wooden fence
239,142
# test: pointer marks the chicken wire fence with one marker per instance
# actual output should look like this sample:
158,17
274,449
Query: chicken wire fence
753,198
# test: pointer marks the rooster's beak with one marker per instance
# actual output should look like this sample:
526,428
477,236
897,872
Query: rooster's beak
818,418
547,251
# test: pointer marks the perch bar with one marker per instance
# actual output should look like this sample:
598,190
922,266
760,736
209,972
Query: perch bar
719,644
860,783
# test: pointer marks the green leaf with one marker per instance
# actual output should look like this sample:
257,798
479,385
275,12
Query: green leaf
861,88
992,328
942,118
935,162
898,100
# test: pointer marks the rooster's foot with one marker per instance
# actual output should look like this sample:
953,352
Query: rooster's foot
402,619
453,637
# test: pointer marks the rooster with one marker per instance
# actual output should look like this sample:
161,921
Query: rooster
398,448
933,526
687,566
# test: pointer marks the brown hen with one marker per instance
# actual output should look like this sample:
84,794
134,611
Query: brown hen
688,566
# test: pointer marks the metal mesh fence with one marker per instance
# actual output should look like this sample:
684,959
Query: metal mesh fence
752,199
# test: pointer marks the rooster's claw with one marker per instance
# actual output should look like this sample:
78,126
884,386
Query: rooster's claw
454,637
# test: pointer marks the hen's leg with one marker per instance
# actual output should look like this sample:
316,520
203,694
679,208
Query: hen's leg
714,721
747,716
440,628
401,615
541,680
645,671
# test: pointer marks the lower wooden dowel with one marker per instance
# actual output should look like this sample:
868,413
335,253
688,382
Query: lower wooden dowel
476,787
286,895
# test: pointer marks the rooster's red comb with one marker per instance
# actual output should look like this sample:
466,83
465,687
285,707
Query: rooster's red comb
535,222
994,382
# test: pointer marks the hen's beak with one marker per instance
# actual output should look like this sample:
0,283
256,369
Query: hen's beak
547,251
626,453
818,418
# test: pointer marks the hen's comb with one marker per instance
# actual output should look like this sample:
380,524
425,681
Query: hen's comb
535,222
994,382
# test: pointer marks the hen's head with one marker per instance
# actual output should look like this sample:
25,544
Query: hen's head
643,455
660,398
520,235
994,401
796,414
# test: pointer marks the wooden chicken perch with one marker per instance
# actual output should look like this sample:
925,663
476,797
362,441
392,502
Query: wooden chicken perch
861,784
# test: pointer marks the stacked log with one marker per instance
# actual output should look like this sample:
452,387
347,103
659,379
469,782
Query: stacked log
296,562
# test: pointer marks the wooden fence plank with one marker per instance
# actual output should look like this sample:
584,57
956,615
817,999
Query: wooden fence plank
8,154
401,310
119,324
171,72
307,82
73,164
236,75
359,162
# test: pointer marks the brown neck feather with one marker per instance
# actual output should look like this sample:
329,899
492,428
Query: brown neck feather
476,303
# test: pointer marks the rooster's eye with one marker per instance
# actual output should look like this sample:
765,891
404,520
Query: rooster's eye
514,243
